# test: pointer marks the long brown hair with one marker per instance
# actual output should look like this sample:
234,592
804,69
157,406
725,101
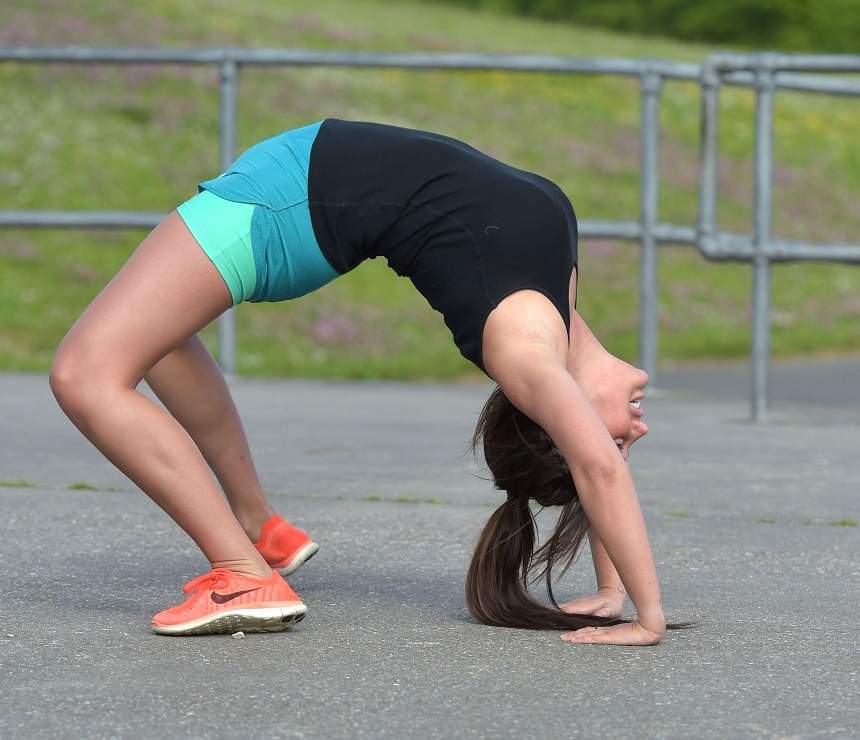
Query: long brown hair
525,462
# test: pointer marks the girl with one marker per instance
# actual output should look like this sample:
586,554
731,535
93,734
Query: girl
491,247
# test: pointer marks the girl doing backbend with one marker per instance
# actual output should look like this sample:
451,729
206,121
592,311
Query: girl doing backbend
490,246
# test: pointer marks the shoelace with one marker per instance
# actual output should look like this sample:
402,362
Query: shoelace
215,578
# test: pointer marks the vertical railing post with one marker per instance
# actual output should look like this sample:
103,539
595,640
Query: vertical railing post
650,87
709,133
762,234
227,138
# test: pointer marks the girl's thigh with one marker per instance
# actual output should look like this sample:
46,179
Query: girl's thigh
167,290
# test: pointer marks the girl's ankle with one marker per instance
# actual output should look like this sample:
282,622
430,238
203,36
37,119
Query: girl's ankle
243,567
253,523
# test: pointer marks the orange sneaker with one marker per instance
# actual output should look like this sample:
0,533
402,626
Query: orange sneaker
284,546
223,602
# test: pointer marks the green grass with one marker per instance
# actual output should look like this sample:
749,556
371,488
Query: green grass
679,513
77,486
16,483
831,523
141,137
417,500
374,498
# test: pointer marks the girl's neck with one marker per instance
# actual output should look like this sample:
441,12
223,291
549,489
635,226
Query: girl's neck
584,347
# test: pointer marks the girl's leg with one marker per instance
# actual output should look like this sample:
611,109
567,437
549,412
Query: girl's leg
189,383
165,293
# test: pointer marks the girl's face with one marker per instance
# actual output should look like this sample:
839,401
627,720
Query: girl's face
616,390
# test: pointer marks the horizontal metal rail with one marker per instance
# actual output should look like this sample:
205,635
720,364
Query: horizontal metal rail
729,247
431,61
80,219
303,57
775,62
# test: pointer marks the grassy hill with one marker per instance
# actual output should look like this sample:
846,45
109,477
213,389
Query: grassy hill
141,138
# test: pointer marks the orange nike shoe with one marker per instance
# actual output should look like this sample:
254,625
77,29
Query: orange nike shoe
285,547
223,602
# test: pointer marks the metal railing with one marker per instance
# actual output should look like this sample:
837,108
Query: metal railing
762,248
764,73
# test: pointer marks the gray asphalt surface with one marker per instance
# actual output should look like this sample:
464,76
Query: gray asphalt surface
751,527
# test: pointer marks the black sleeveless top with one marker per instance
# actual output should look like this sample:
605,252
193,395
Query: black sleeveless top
465,228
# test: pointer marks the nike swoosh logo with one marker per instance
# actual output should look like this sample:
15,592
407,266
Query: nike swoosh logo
224,598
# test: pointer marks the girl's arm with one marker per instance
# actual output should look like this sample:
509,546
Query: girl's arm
532,374
604,484
604,569
609,599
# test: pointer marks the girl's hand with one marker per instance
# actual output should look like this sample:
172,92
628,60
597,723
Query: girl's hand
631,633
607,602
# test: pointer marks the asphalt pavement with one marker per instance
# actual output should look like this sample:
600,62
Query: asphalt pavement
754,529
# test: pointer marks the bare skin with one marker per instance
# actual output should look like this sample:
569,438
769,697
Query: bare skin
581,395
189,383
166,292
609,599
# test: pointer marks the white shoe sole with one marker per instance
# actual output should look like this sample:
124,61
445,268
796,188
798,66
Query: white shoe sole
258,619
299,559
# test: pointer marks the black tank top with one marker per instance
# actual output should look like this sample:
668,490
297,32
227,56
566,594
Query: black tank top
465,228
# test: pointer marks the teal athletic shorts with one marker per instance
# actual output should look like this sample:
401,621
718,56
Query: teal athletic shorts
254,223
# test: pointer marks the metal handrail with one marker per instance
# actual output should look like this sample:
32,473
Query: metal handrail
762,249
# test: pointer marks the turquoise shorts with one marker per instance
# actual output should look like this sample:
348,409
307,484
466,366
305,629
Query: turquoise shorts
254,223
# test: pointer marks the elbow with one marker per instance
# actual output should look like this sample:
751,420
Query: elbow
600,472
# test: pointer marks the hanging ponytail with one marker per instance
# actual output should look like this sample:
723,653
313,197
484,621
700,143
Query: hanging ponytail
497,590
525,463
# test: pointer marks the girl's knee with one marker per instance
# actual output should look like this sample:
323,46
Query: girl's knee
78,378
66,378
